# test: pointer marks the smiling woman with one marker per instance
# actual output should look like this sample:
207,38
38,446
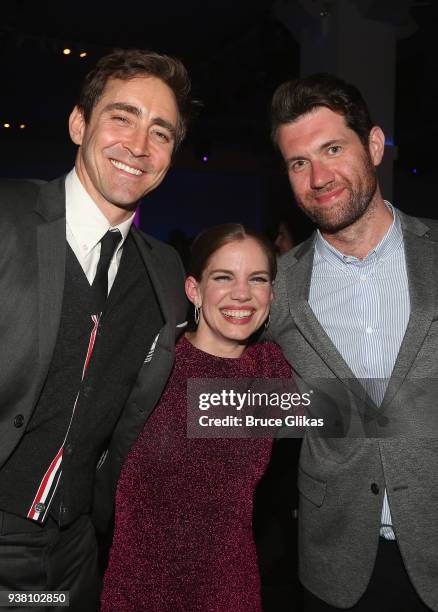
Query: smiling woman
230,283
183,536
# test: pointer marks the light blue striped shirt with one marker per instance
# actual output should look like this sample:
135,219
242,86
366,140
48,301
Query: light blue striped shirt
363,305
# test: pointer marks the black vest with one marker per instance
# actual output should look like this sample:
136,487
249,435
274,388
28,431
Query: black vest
129,324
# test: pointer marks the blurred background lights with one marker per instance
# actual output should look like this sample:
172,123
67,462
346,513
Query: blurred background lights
204,158
83,54
66,51
6,125
22,126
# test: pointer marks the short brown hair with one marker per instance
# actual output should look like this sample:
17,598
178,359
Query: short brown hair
212,239
126,64
296,98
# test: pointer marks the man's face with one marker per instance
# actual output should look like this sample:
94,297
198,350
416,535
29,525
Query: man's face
332,174
126,147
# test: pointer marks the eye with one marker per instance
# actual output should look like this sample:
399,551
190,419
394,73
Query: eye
297,165
260,279
222,277
161,136
120,119
334,149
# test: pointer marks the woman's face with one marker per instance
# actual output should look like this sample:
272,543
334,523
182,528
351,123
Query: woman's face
234,297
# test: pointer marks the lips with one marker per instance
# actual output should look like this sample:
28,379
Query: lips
126,168
238,316
325,198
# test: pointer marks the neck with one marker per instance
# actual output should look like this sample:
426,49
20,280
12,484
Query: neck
227,349
364,234
113,213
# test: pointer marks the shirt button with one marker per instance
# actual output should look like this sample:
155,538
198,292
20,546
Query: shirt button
369,330
39,507
18,421
375,488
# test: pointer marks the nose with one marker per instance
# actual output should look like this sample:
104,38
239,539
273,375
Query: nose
241,291
138,143
320,175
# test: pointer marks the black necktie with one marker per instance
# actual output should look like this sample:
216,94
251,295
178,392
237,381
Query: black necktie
108,245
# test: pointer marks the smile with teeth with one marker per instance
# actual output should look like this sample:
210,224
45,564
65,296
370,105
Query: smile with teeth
237,314
126,168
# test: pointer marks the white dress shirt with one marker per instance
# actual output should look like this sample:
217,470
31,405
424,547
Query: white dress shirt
86,225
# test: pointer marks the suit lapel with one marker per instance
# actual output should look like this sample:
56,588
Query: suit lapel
156,275
421,255
51,248
298,286
159,360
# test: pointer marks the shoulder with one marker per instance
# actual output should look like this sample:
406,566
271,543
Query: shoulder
432,227
17,198
420,226
166,254
166,259
168,267
291,257
271,359
15,188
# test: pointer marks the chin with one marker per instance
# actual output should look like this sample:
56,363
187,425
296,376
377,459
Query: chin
242,335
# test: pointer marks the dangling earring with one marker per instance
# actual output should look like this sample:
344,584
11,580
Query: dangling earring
197,314
268,320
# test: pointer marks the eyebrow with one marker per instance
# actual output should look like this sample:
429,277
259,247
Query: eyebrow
134,110
122,106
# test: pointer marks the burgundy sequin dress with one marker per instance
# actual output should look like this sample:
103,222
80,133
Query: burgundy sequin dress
183,534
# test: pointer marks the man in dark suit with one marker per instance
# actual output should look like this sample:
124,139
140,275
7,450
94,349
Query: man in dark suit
355,310
91,308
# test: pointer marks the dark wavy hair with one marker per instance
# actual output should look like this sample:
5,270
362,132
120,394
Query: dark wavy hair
210,240
296,98
126,64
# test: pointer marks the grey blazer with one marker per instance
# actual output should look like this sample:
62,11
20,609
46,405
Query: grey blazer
340,504
32,268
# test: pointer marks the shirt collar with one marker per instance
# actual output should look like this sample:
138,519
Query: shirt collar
86,221
388,245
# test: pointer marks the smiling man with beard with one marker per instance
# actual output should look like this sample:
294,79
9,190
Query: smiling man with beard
356,303
91,308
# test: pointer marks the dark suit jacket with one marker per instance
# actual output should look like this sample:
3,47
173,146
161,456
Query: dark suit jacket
340,510
32,268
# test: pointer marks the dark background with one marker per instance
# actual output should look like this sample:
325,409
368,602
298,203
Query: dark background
237,52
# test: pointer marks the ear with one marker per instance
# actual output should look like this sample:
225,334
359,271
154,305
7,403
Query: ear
76,124
192,290
376,144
